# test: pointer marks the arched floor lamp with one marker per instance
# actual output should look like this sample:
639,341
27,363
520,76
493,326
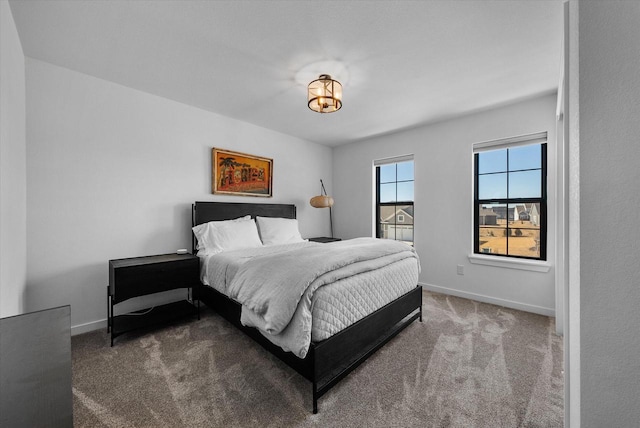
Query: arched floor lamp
323,201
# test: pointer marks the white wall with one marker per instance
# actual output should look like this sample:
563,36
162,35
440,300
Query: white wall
609,97
443,200
112,172
572,287
13,175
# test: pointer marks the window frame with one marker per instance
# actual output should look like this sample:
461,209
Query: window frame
538,139
377,165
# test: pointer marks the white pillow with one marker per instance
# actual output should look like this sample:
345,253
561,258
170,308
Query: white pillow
217,236
276,230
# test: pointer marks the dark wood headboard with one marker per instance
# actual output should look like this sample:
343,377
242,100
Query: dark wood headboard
203,212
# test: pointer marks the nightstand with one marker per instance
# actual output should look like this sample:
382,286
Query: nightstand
141,276
324,239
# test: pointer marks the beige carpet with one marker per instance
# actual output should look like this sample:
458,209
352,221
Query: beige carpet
468,364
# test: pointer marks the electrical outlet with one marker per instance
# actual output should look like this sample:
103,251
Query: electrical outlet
460,270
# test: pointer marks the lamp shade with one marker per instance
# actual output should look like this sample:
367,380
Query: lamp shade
321,201
324,95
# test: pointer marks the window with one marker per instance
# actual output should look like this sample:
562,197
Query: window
394,199
510,197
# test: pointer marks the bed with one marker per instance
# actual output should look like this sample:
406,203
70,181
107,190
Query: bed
330,359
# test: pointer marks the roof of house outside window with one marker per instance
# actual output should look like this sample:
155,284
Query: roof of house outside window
387,213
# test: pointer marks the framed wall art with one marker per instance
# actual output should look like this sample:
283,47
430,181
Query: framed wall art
241,174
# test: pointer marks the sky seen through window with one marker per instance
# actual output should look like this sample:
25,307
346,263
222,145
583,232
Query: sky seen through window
396,182
521,166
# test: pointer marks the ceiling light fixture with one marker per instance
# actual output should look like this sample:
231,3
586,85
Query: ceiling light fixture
324,95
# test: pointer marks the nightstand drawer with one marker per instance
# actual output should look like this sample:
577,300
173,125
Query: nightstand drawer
136,280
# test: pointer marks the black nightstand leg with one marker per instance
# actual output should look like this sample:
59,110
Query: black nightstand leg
108,312
191,296
420,305
111,318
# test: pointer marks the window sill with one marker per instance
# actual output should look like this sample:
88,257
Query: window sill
522,264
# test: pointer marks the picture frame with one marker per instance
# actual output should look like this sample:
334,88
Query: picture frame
241,174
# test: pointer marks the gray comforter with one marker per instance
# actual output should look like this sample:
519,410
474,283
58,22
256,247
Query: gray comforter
276,289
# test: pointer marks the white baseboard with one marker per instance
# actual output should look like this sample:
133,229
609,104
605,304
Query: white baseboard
97,325
87,327
550,312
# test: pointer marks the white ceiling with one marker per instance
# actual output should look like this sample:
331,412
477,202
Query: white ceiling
402,63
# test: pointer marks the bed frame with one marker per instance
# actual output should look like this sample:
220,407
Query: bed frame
330,360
